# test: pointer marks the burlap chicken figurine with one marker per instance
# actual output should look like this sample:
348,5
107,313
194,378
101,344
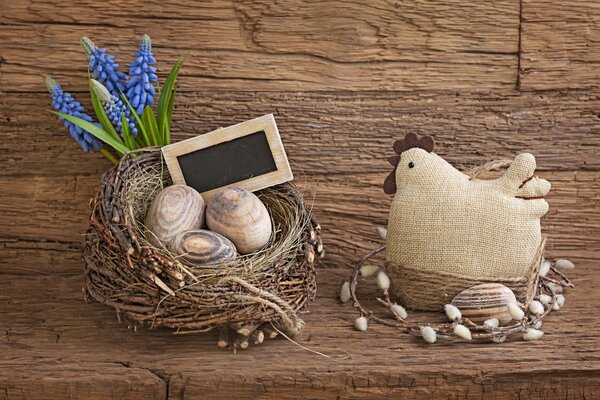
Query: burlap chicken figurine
448,231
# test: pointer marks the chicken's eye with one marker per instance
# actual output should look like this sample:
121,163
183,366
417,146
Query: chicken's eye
411,164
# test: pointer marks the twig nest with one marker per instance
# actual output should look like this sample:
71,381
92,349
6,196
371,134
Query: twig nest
202,247
175,209
136,276
240,216
481,302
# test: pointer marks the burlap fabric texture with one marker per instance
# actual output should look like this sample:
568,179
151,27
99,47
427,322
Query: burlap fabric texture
448,230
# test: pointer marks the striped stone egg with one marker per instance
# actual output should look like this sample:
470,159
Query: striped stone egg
485,301
240,216
202,247
175,209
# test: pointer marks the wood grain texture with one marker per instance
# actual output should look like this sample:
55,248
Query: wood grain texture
50,379
265,45
560,44
383,363
341,132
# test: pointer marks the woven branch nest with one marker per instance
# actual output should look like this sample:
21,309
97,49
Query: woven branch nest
149,286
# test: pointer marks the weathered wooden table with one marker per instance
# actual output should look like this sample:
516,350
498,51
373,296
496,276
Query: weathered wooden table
344,79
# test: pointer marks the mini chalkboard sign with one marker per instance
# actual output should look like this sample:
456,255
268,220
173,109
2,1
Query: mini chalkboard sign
249,154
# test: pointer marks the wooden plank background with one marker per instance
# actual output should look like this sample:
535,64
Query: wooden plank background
344,80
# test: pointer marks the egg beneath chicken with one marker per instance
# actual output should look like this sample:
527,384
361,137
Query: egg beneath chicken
485,301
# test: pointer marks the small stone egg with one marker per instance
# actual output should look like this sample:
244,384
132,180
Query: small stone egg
202,247
175,209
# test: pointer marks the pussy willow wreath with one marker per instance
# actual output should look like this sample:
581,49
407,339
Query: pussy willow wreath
249,299
527,318
443,217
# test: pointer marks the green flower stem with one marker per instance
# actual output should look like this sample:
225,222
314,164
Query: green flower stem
110,157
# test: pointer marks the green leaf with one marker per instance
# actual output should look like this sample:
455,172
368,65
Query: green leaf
145,136
167,95
167,121
151,125
139,141
126,134
102,117
110,157
99,133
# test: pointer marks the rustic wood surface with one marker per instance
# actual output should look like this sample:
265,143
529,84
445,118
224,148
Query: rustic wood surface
282,45
344,80
560,44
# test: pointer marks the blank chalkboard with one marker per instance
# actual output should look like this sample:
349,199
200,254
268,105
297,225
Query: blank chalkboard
249,155
229,162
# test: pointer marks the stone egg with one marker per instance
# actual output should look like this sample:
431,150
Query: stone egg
240,216
202,247
485,301
176,209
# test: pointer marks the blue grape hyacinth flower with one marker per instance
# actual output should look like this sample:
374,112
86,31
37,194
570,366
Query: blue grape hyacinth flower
114,108
65,103
104,68
142,75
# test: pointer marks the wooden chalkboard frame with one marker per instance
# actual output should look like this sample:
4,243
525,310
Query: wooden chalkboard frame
266,123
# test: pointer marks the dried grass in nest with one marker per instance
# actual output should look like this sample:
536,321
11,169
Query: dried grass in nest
151,286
